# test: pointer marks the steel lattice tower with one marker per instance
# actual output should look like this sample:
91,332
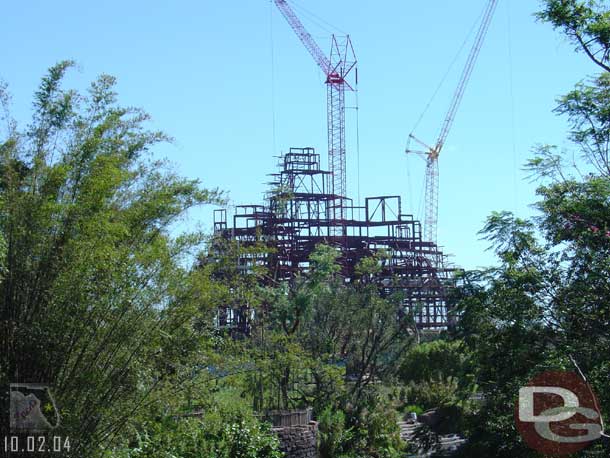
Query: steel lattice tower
337,68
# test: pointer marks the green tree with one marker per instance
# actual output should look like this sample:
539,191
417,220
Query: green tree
94,296
350,340
429,360
546,304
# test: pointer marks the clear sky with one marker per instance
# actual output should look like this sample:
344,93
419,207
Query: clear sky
218,76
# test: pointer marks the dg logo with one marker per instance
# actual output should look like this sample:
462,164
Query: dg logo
558,414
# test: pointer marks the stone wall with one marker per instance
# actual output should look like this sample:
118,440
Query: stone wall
299,441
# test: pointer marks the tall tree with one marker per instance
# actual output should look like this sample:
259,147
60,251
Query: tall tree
546,304
94,295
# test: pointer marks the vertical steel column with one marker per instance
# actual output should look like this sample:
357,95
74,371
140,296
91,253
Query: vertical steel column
431,198
336,145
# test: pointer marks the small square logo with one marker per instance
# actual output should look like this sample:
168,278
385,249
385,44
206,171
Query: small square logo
32,408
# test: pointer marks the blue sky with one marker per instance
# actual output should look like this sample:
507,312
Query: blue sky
215,76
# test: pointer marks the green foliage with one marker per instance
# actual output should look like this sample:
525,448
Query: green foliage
408,409
434,392
311,329
375,428
544,303
368,429
322,342
334,434
547,301
585,23
586,108
95,298
438,375
324,262
439,358
210,436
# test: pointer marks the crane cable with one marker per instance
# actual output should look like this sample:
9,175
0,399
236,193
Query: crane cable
512,109
419,211
273,133
315,19
447,72
357,144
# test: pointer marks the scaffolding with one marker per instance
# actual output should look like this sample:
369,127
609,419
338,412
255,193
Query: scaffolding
299,213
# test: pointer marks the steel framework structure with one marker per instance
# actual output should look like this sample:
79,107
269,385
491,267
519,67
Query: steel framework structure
298,214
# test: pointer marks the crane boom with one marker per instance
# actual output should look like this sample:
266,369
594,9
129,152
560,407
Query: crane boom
305,37
466,74
432,153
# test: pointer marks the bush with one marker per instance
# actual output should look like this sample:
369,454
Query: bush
413,409
431,360
209,437
333,433
433,393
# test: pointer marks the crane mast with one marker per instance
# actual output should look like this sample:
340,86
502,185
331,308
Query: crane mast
432,153
337,67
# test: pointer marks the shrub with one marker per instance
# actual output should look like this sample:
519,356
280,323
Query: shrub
209,437
333,433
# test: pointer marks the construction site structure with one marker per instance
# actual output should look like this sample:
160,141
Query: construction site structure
298,214
337,69
306,206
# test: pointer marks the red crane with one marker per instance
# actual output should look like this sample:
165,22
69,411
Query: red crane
337,67
431,153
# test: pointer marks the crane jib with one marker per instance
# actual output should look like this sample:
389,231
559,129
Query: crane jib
431,177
